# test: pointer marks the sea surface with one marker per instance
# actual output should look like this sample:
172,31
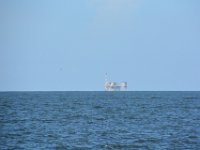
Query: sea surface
100,120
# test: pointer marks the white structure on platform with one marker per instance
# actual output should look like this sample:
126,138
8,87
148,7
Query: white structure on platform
114,86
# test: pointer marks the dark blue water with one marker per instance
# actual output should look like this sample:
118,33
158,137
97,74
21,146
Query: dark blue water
100,120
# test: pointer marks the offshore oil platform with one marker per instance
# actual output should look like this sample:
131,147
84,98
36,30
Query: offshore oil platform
114,86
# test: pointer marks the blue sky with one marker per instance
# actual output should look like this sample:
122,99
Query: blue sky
70,44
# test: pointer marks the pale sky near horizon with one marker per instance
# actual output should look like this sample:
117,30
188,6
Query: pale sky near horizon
70,44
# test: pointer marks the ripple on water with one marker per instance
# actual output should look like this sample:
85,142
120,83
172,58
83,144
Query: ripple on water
99,120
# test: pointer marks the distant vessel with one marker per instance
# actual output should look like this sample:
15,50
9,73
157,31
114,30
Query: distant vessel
114,86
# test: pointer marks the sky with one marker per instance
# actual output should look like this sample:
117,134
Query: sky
69,45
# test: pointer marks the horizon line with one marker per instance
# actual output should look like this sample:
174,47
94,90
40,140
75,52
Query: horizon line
101,91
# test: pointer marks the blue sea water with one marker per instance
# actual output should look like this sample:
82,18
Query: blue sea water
100,120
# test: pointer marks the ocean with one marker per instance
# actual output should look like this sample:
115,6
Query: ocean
100,120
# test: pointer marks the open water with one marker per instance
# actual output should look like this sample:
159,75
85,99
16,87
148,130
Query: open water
100,120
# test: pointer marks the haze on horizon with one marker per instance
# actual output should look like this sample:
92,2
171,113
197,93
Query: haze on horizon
53,45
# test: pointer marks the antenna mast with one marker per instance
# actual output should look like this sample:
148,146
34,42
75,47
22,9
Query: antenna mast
106,77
